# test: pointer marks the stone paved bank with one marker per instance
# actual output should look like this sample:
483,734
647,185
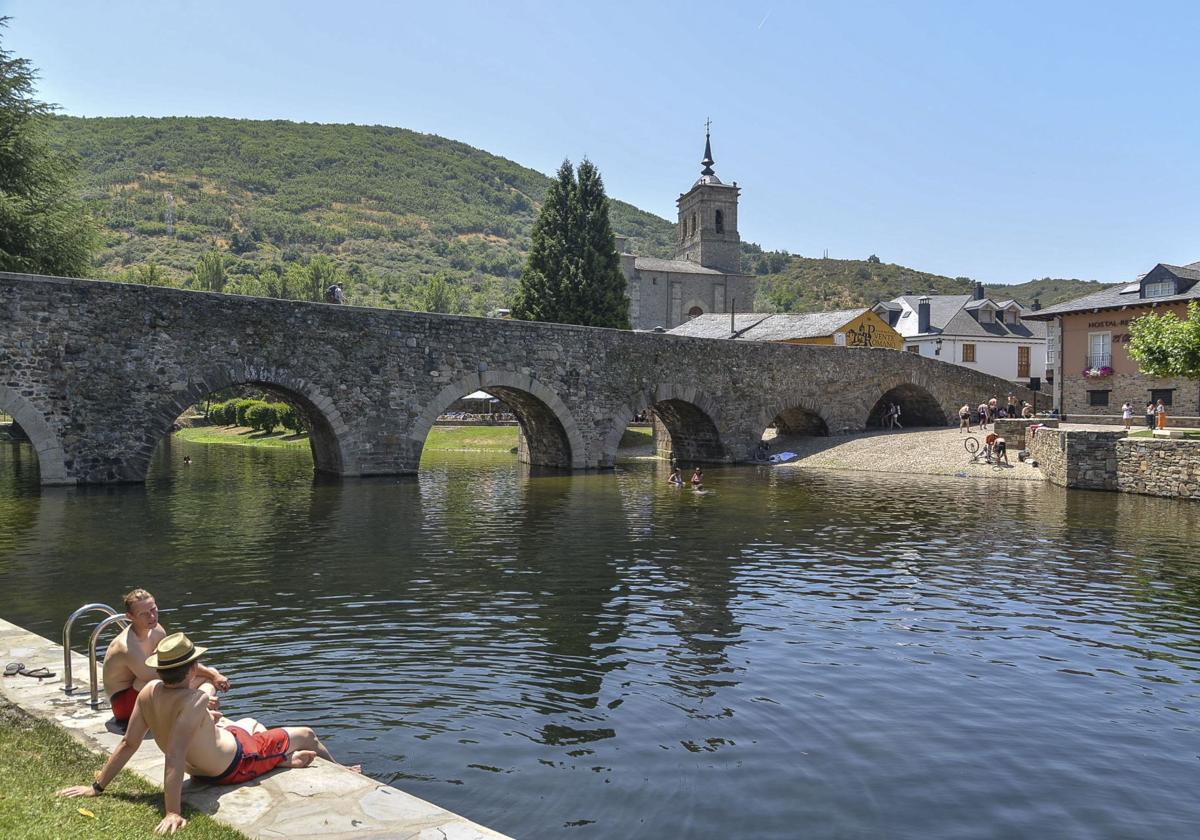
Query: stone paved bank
323,800
97,372
1159,467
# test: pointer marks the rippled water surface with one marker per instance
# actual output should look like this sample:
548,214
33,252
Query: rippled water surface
795,654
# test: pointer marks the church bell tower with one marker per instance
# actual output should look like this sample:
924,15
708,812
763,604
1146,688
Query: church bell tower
708,231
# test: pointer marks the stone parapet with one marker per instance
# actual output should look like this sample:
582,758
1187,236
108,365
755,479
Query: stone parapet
1013,431
1156,467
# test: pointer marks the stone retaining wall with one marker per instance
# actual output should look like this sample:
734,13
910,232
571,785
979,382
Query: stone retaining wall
1081,459
1156,467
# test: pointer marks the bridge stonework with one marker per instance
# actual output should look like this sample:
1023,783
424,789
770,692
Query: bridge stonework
97,372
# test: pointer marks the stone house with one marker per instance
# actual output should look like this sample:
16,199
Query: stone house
843,328
705,274
991,336
1089,337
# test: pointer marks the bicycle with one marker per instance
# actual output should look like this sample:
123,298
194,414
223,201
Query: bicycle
972,446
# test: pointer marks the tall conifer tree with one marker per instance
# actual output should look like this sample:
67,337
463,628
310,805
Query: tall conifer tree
573,273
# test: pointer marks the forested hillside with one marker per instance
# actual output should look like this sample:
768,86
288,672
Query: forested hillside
390,208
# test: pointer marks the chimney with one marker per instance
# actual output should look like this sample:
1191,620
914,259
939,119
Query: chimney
1036,305
978,290
923,314
622,243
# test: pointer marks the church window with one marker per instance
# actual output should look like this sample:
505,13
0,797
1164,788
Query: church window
695,312
720,222
693,224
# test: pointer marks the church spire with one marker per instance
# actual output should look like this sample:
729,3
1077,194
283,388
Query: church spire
708,161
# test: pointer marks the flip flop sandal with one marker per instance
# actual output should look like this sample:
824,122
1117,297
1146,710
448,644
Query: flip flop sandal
39,673
13,668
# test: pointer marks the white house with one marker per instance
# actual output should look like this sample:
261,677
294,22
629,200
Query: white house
973,331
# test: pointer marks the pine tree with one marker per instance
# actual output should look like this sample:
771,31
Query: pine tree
44,228
573,273
602,295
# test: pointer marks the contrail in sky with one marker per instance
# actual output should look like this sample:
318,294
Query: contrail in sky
764,20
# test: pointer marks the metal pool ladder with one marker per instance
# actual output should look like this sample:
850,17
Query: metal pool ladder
111,617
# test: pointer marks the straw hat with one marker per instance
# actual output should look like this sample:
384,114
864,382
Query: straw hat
173,651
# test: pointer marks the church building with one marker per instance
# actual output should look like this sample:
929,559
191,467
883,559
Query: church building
705,275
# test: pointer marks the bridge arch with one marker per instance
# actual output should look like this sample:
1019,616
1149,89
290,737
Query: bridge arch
690,416
328,434
918,405
52,460
550,436
800,415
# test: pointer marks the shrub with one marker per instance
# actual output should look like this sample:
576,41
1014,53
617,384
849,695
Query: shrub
290,418
263,416
242,408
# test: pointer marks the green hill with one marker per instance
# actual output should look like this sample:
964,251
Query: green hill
804,284
390,206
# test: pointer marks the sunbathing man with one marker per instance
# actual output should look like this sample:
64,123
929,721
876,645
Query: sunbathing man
125,670
183,727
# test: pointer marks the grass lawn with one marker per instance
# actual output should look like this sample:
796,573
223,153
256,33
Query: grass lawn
241,436
37,759
473,438
1187,434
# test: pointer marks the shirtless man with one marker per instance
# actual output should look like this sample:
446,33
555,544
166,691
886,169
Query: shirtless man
125,670
178,716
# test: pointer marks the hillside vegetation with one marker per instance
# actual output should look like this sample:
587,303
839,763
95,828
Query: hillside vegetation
390,207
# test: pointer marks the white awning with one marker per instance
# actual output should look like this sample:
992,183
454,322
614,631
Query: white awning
479,395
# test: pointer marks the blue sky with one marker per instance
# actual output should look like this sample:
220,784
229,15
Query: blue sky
999,141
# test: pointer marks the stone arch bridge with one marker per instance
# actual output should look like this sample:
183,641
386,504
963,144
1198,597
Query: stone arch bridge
95,374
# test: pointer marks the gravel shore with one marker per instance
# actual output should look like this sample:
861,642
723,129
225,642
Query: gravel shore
914,452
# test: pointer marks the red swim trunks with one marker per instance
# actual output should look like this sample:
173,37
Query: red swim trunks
256,754
122,704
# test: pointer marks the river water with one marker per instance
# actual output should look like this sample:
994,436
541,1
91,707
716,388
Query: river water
795,654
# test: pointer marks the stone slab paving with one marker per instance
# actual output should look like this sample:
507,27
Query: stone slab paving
323,800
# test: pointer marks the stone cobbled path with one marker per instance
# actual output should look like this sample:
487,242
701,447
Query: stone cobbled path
912,452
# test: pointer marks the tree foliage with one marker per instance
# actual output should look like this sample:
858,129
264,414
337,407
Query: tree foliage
573,273
439,295
209,274
43,226
1166,345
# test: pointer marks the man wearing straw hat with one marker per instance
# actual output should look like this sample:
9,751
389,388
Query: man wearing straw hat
124,670
185,731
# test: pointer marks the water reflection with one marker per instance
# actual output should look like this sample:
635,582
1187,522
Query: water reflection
605,655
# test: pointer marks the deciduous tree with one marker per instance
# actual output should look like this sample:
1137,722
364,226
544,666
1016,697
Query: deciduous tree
1166,345
209,273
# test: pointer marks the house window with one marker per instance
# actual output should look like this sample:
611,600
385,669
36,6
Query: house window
1022,363
914,348
720,222
1099,350
968,352
1163,394
1159,288
985,316
1098,399
1052,349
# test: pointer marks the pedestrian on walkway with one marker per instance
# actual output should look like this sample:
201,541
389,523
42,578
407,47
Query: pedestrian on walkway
964,419
1127,414
1161,411
1150,414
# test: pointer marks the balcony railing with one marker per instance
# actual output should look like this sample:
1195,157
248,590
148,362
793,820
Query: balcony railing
1099,360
